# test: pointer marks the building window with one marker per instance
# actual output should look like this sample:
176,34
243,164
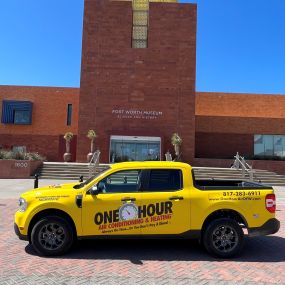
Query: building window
17,112
269,146
21,117
69,114
19,149
140,23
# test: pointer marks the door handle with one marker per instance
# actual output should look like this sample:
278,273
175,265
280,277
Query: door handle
126,199
176,198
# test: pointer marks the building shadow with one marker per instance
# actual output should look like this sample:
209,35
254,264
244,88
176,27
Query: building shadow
260,249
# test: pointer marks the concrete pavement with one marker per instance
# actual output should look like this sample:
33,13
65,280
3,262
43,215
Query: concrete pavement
12,188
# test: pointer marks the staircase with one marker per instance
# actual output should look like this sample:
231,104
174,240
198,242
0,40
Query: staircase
66,171
72,171
261,176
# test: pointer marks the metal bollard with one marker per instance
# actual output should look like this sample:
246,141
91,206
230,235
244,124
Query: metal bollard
81,178
36,181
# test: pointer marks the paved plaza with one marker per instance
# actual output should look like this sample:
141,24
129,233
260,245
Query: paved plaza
138,261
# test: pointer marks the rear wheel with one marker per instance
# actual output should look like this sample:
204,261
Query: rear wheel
223,238
52,235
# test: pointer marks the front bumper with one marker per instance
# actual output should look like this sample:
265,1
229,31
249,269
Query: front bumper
271,227
17,232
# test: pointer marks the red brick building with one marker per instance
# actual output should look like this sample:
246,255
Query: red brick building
44,134
137,89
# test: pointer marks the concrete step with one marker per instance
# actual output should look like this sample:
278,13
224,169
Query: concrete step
69,171
72,171
68,167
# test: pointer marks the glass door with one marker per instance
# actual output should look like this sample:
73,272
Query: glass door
128,148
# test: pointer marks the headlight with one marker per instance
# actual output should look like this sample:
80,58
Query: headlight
22,205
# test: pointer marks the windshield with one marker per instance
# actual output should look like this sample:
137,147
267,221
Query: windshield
81,185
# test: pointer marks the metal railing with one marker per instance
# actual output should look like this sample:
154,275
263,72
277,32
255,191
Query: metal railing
94,163
240,163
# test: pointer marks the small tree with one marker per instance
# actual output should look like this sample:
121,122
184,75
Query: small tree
91,135
68,137
176,141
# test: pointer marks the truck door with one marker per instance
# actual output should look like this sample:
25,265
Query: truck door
115,210
165,203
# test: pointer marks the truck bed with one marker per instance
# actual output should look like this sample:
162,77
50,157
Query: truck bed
216,184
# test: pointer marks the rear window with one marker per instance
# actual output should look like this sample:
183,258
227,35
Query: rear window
165,180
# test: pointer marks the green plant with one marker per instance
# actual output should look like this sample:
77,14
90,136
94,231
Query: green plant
2,154
91,134
176,139
8,154
68,136
20,155
36,156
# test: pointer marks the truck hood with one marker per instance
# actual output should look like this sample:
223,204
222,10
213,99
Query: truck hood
51,191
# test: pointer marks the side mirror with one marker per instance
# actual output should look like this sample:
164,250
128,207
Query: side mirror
97,189
94,190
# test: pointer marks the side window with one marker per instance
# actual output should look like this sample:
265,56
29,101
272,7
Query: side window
69,114
122,182
17,112
165,180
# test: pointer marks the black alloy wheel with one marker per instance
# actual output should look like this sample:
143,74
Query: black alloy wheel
223,238
52,236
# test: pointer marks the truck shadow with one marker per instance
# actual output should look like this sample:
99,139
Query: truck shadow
260,249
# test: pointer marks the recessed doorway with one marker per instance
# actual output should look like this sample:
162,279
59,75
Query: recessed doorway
133,148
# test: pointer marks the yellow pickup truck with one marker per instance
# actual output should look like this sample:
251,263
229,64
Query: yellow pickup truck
149,200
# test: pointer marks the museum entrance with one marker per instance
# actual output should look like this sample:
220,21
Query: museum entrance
129,148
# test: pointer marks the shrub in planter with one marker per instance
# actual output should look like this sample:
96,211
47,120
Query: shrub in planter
9,155
36,156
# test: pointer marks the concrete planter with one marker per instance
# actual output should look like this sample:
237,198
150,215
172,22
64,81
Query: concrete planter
67,157
18,168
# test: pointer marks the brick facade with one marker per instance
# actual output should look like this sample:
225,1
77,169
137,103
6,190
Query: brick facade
116,77
213,145
49,119
227,122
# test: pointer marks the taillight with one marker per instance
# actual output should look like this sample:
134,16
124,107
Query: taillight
270,203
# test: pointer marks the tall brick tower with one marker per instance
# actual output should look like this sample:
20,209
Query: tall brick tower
137,78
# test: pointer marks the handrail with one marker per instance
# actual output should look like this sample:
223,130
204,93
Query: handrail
93,164
245,167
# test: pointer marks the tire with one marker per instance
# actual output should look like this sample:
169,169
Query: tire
223,238
52,236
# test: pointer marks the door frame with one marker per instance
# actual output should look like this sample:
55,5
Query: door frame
134,139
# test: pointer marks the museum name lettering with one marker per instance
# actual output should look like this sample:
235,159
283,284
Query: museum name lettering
136,112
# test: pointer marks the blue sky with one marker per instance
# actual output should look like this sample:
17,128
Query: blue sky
240,44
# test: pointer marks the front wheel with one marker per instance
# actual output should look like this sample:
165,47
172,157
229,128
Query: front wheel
52,236
223,238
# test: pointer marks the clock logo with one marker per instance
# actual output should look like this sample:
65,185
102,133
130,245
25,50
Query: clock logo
128,211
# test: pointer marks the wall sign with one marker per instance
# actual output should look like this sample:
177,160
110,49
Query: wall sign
136,114
21,164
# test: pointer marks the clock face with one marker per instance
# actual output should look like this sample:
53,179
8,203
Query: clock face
128,211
